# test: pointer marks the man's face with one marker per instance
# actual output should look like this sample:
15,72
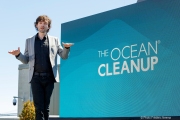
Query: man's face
42,26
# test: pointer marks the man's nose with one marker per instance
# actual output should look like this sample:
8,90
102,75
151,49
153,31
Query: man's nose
42,25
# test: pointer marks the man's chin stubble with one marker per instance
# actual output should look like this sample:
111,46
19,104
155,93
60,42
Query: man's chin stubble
42,31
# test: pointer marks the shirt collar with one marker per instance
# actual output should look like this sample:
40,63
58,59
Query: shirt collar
44,36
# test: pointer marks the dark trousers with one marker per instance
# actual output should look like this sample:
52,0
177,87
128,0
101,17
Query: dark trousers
42,88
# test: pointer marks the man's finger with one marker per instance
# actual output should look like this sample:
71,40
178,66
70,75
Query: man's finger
67,45
18,48
10,52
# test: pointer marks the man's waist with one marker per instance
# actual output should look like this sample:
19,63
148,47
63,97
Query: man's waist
43,74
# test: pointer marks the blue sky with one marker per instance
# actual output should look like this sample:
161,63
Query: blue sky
17,18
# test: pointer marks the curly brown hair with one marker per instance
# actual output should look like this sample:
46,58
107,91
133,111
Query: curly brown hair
43,18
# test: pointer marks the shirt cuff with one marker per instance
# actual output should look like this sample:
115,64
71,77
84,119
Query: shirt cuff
67,47
17,55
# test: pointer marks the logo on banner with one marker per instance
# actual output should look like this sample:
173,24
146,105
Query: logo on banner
128,59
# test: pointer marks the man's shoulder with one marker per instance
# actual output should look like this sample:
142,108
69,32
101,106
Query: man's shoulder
31,37
52,37
49,36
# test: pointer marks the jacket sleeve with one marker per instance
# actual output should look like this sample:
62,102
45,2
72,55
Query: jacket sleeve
24,58
62,52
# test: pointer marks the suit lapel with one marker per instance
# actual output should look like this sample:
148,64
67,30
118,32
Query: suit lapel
31,48
32,45
50,44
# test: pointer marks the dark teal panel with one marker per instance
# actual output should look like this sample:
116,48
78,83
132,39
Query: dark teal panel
145,35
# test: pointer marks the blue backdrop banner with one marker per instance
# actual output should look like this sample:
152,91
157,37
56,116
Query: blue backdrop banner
124,63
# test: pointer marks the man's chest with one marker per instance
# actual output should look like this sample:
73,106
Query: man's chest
41,47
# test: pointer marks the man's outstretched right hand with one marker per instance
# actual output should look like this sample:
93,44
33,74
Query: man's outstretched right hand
15,52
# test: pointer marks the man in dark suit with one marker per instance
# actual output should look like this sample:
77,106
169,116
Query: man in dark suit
41,54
